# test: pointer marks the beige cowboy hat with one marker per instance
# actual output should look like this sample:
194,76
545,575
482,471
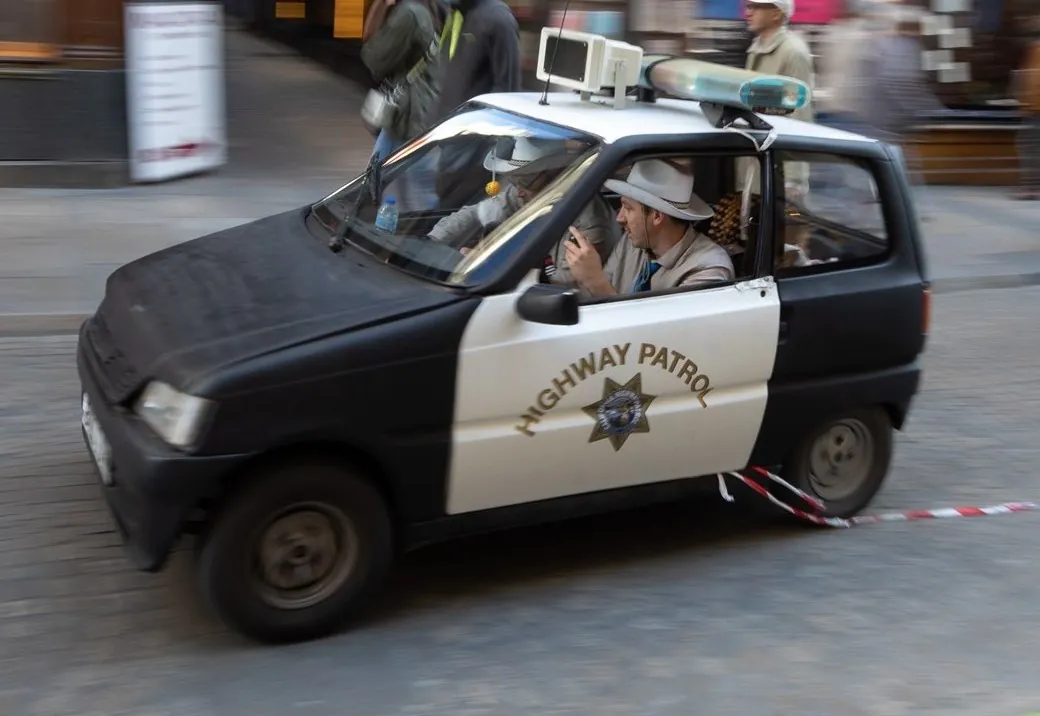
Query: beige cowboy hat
784,6
529,156
661,186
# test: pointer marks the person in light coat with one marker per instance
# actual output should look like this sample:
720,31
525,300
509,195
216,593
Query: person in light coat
530,166
778,51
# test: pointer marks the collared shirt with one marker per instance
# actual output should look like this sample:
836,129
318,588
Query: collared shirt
696,259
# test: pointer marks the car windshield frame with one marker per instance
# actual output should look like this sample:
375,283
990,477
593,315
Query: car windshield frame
473,119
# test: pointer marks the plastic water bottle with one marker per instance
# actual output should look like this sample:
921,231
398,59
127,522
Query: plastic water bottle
386,219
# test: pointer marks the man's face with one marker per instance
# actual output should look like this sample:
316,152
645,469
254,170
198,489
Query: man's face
528,185
761,17
635,221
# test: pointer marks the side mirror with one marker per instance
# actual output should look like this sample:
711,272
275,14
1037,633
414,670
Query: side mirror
544,303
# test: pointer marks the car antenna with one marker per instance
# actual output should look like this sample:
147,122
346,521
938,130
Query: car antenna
552,60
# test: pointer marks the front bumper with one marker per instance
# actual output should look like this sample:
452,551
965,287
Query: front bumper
151,489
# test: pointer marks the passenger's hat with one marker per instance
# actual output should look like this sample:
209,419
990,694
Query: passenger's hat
784,6
661,186
529,156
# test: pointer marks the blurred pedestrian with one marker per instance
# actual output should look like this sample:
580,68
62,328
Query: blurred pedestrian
399,45
1028,91
776,50
902,97
844,49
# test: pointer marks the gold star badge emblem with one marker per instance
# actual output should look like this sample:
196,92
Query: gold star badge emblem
621,412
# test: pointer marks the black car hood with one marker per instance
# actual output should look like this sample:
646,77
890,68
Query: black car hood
181,313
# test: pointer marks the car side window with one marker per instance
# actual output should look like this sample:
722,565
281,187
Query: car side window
830,214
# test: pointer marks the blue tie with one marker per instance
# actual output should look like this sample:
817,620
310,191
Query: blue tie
642,282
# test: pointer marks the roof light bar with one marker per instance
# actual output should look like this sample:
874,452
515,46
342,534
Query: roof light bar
728,86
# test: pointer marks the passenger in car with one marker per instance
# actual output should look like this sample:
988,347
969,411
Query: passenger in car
660,249
530,167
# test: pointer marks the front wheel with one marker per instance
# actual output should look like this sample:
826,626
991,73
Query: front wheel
295,553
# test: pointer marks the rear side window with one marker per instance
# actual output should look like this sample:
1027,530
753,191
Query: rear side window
830,214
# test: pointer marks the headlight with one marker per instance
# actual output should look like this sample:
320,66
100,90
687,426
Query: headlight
175,416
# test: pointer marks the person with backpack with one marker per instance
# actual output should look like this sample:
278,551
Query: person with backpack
399,48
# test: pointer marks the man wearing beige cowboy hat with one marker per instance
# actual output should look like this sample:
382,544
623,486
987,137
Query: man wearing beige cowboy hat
527,169
660,249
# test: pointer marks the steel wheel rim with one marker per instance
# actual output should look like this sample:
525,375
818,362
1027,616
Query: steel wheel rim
303,555
841,459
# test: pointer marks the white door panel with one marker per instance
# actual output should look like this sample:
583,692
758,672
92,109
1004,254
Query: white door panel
687,373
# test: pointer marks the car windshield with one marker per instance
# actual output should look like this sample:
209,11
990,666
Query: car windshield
459,193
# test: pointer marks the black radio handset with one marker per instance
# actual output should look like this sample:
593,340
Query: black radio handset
552,60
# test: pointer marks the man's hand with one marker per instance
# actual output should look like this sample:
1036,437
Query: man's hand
585,264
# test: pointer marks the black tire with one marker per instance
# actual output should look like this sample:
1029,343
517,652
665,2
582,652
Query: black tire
799,469
306,492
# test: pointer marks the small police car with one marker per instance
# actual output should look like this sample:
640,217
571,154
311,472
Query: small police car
313,393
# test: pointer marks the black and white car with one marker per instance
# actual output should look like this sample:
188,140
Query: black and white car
308,413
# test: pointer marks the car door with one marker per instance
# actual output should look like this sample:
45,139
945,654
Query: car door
640,390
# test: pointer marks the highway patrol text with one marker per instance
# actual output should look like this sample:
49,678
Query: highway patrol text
613,356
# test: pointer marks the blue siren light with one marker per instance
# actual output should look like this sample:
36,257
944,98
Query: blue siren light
719,84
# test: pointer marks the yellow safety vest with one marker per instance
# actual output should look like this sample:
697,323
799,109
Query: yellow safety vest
454,26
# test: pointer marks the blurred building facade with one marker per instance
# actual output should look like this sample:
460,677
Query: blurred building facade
62,97
63,109
969,49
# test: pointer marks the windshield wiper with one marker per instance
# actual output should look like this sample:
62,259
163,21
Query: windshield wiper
370,187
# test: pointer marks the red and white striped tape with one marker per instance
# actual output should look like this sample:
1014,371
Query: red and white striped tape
1002,509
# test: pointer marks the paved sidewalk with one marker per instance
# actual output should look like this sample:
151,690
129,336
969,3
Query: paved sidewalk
979,238
295,136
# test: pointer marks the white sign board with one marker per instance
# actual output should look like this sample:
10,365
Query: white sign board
175,89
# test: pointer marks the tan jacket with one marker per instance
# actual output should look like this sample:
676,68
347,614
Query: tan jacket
786,54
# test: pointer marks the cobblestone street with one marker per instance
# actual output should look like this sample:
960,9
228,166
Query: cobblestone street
668,611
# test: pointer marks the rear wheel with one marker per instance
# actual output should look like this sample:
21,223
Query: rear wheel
295,553
843,462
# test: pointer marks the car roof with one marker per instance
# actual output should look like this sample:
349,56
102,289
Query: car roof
665,116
